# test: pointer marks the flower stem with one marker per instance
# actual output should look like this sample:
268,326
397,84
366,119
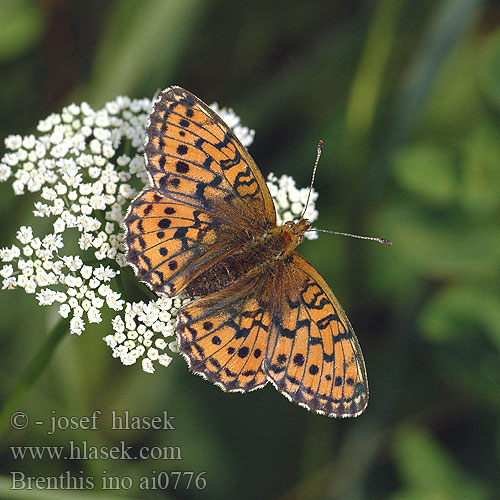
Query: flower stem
32,373
128,272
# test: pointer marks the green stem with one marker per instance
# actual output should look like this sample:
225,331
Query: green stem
32,373
442,35
130,273
367,86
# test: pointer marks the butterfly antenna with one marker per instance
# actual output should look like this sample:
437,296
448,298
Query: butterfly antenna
318,155
379,240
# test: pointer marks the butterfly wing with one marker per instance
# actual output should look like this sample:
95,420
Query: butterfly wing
194,157
224,335
170,243
208,196
313,356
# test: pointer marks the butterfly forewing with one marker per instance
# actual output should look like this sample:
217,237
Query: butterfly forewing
193,156
170,242
207,196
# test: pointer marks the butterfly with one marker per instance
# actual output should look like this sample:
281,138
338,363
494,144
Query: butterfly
207,227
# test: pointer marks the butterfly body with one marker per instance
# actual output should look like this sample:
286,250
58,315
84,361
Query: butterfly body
264,252
207,227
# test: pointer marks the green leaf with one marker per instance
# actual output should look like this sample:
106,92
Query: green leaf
489,71
463,324
144,41
480,179
427,171
21,26
452,313
429,471
442,246
32,372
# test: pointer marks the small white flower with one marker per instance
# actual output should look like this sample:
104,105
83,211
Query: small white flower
9,283
76,325
160,343
9,254
72,176
46,297
61,189
86,272
110,341
97,302
85,241
29,285
72,262
12,159
89,224
25,234
147,365
13,142
6,271
130,323
36,243
18,187
104,290
53,242
94,315
59,225
61,297
114,301
27,251
29,142
164,359
118,324
57,207
5,172
49,193
153,353
94,283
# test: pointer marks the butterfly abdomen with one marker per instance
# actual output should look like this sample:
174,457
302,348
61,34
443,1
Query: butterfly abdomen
264,251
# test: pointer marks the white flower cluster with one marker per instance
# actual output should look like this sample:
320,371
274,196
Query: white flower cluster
290,201
87,165
142,333
80,166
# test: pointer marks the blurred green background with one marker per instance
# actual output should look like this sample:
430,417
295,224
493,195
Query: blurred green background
406,96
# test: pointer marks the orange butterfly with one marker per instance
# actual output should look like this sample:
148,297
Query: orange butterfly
207,227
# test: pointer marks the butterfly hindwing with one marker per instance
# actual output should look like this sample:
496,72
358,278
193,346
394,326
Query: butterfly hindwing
223,335
313,356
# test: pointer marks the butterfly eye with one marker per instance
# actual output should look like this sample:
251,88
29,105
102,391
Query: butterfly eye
289,223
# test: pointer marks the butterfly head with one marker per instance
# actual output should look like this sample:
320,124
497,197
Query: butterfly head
298,229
